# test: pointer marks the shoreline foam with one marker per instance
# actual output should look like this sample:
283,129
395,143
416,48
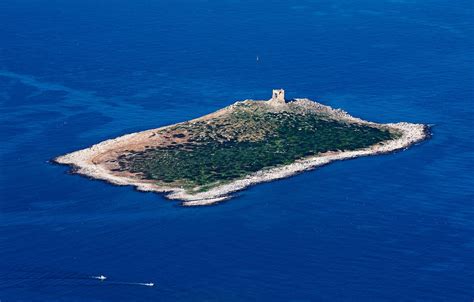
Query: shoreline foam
82,162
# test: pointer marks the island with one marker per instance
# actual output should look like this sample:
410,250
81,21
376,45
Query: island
204,160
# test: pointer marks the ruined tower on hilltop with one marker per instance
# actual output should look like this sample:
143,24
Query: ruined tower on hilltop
278,96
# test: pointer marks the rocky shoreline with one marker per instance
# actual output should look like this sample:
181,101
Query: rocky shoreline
82,161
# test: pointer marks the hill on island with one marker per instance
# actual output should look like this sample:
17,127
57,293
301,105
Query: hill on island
232,144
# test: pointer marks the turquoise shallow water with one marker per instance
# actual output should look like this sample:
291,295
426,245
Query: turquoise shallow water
396,227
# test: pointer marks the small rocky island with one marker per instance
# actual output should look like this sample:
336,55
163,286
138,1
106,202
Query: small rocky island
203,160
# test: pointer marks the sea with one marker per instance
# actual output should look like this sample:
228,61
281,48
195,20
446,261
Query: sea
396,227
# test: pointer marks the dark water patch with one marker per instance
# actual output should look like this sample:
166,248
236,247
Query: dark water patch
10,131
74,107
38,116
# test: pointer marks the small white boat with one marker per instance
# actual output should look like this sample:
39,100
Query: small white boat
101,277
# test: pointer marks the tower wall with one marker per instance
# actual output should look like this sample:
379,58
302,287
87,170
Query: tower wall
278,95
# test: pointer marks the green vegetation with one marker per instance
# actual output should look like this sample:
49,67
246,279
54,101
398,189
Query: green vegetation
245,141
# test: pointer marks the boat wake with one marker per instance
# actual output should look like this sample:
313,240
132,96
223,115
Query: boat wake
104,278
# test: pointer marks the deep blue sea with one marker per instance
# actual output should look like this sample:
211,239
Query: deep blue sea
396,227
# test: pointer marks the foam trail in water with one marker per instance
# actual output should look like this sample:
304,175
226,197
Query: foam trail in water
150,284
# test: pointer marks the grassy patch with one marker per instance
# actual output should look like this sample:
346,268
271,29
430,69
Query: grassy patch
226,149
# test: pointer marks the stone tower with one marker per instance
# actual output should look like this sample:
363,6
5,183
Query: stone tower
278,96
